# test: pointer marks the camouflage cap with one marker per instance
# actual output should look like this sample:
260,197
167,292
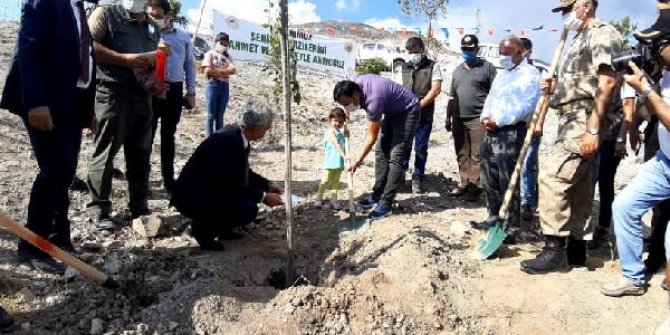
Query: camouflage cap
564,4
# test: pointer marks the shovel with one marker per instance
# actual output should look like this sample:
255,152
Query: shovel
57,253
348,228
495,235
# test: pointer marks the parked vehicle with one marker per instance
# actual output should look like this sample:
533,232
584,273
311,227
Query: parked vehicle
391,57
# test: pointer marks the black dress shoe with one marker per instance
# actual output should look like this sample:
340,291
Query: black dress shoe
103,223
79,185
41,263
118,174
231,235
600,238
64,244
6,321
205,240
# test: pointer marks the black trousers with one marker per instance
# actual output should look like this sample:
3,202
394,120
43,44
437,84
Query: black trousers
607,167
499,153
214,214
392,151
56,152
168,110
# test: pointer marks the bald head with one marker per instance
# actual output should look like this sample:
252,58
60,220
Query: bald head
512,41
512,47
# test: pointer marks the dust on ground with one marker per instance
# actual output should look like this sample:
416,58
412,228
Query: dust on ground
409,274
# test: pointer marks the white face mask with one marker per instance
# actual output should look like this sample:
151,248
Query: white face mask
415,58
134,6
350,108
571,22
507,62
220,48
162,23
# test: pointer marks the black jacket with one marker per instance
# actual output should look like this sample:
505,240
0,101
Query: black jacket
46,66
220,166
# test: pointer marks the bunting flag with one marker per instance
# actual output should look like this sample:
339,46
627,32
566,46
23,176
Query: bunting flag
446,32
408,31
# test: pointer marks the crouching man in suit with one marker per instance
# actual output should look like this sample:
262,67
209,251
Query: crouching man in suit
216,187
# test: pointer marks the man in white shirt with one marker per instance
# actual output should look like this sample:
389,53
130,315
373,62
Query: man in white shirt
508,107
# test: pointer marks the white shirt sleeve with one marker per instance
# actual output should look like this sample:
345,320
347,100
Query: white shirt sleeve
437,72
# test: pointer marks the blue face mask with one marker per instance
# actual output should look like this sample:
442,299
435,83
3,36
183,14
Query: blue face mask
469,56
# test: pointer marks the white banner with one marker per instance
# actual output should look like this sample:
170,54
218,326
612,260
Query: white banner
249,42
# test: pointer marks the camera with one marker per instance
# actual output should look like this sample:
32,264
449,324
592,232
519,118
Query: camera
643,57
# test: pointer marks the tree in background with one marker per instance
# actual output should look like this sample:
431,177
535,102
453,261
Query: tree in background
374,65
431,9
626,27
175,9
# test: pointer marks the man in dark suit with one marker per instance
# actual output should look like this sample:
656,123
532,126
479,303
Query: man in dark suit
216,187
51,87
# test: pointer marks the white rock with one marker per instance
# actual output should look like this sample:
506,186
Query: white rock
27,295
148,225
97,326
112,266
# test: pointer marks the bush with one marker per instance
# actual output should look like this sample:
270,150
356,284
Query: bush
375,66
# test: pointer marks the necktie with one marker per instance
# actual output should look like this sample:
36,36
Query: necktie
84,44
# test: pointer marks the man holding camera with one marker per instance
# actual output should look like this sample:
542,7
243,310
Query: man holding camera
582,93
652,183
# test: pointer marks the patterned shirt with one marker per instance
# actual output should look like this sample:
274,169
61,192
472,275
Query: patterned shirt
513,95
215,59
578,73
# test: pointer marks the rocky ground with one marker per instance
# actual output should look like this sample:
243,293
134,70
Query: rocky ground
409,274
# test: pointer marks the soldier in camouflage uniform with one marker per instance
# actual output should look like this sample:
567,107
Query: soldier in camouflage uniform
582,93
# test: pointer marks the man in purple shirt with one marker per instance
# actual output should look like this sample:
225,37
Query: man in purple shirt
392,111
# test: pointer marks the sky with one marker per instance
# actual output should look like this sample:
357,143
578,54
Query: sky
500,14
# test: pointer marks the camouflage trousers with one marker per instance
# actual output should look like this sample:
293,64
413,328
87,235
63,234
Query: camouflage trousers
565,183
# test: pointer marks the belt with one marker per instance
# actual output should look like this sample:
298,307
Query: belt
175,82
515,126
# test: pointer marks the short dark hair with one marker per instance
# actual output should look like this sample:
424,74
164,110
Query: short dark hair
222,37
414,42
163,4
346,87
337,113
528,44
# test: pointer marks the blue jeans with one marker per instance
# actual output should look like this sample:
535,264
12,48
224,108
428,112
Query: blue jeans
421,138
648,188
529,176
217,94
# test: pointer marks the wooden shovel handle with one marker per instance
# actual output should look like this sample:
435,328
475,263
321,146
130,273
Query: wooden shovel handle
55,252
542,106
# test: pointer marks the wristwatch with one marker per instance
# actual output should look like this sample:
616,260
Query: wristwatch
645,92
593,131
620,140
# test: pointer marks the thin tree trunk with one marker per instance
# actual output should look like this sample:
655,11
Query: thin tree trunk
286,83
197,27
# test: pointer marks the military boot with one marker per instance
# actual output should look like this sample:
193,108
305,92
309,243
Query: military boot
554,257
576,252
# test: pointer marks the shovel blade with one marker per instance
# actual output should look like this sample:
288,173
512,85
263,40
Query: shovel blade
351,227
488,245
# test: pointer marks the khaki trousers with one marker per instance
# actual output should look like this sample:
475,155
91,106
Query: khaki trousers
565,182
